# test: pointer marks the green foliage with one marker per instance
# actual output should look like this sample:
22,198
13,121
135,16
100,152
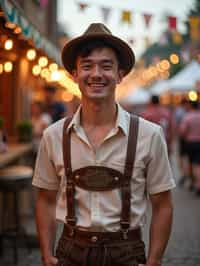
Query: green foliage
175,69
24,129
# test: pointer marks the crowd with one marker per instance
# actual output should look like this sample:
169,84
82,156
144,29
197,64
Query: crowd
180,126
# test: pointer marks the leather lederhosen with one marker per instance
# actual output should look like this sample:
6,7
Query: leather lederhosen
78,247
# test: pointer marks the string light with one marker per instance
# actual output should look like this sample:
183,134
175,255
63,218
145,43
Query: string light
8,66
43,61
55,75
174,59
31,54
36,70
53,67
1,68
17,30
10,25
8,44
193,96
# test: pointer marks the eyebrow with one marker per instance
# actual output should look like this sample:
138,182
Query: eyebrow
83,61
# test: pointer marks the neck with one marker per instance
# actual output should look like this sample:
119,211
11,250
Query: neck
97,114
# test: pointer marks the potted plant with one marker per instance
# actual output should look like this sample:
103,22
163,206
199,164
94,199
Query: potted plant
24,129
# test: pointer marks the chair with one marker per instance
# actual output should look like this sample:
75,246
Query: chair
13,180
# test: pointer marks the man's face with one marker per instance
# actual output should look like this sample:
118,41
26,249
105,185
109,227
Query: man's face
98,74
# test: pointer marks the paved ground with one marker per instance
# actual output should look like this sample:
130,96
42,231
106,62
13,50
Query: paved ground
184,245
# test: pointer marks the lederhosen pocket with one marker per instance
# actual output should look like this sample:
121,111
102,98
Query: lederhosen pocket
128,254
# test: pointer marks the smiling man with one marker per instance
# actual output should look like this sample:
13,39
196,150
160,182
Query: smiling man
107,162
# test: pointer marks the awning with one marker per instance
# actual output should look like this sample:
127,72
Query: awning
17,16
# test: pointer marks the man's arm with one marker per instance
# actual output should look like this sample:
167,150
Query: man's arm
46,224
161,222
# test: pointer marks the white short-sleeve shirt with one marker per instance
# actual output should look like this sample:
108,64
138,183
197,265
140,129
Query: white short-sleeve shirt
101,210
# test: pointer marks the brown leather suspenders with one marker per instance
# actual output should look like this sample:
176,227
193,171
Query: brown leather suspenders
126,186
128,169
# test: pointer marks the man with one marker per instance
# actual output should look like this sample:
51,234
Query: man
162,116
190,132
55,109
106,196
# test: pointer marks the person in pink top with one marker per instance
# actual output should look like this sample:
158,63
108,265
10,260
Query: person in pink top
190,131
160,115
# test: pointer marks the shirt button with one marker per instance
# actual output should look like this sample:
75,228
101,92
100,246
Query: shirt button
94,238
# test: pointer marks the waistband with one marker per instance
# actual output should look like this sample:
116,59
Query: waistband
98,237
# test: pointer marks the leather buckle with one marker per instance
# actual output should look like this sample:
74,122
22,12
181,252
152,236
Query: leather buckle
125,234
125,228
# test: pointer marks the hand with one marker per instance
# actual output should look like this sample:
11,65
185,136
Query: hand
50,261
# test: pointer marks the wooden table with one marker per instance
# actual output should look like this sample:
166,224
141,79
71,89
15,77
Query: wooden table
14,152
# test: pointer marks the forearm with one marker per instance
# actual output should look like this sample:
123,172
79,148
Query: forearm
46,226
159,234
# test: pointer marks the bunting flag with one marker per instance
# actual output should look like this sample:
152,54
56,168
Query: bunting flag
177,37
171,22
106,13
82,6
147,19
194,23
126,17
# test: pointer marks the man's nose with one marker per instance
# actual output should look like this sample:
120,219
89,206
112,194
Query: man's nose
96,71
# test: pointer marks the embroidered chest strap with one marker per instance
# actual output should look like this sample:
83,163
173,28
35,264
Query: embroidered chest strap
129,164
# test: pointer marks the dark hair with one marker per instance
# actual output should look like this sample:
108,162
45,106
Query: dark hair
50,88
155,99
88,47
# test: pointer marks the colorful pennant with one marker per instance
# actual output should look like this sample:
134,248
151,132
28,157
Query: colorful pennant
106,13
147,19
126,17
171,22
194,22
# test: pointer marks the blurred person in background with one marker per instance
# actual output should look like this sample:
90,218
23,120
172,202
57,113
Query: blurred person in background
184,164
190,131
56,109
160,115
40,120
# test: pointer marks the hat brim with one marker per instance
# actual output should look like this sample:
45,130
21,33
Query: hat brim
125,53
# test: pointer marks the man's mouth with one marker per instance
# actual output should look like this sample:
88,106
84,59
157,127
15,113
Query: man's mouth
96,85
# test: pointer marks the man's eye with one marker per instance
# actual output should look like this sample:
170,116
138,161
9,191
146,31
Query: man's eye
86,66
107,67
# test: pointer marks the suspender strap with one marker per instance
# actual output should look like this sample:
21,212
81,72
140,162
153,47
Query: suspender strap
129,164
126,188
70,188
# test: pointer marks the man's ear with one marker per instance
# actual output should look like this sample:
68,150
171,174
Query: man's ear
74,75
121,75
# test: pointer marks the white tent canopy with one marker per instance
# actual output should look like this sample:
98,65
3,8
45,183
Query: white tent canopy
186,78
138,96
159,87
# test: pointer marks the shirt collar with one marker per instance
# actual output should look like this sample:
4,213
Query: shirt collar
122,121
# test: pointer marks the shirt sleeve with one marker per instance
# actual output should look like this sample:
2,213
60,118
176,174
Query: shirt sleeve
159,173
45,173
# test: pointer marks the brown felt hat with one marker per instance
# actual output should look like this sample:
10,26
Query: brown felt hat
98,31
